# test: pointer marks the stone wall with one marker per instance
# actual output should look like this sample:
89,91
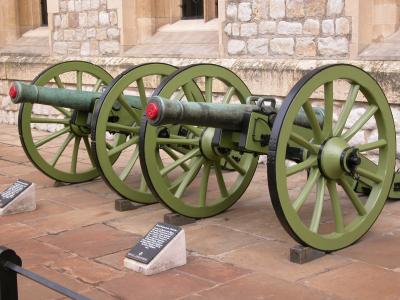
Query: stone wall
291,28
85,28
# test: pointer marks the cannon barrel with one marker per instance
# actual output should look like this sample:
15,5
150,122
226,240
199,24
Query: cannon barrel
74,99
161,111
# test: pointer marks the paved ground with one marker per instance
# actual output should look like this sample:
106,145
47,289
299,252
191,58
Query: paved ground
76,238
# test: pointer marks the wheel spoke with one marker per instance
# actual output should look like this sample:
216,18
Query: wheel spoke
319,203
209,90
142,92
235,165
129,109
228,96
374,145
51,137
174,156
123,146
188,93
143,184
178,141
189,177
74,160
308,163
328,110
129,166
298,139
196,130
368,174
179,161
336,208
79,75
61,150
58,81
360,122
344,115
220,180
50,121
63,111
122,128
314,124
204,184
353,197
97,85
306,190
88,149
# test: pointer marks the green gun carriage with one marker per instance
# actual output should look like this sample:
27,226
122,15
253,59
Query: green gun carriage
327,185
95,122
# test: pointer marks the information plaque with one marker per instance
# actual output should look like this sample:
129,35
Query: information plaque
13,191
154,241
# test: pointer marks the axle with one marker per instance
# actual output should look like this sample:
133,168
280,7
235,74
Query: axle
74,99
161,111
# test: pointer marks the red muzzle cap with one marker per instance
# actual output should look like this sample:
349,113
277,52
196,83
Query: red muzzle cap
152,111
13,92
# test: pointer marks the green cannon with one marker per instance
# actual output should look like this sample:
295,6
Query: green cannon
76,122
330,158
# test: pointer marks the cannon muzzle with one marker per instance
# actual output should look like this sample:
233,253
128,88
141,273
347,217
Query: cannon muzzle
73,99
160,111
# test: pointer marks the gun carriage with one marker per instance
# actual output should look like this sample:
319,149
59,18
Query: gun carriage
327,185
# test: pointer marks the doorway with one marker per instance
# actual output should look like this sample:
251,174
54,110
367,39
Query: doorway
43,11
192,9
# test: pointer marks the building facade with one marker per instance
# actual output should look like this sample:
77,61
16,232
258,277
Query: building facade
269,43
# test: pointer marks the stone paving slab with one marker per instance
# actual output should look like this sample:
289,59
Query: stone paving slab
76,238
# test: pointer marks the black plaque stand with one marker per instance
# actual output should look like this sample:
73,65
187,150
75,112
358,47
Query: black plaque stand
18,197
300,254
177,219
125,205
162,248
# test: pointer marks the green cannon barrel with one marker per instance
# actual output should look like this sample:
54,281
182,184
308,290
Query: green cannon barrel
74,99
161,111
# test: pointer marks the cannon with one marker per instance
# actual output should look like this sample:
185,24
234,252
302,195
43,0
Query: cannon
95,122
327,185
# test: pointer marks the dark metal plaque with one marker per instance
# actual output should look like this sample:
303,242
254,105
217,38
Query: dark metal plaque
13,191
154,241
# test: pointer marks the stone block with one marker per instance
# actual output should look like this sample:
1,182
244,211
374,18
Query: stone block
101,34
94,4
60,48
282,46
177,219
300,254
314,8
311,26
109,47
267,27
277,9
83,19
236,47
85,5
113,33
104,18
295,8
328,27
93,18
113,18
71,5
334,7
228,29
85,48
69,34
333,46
231,11
289,28
342,26
258,46
91,33
235,29
57,21
306,47
244,11
248,29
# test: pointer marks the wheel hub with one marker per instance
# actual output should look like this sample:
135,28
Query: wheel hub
336,157
206,147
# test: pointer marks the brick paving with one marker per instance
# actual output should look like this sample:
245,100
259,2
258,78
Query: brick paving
76,238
